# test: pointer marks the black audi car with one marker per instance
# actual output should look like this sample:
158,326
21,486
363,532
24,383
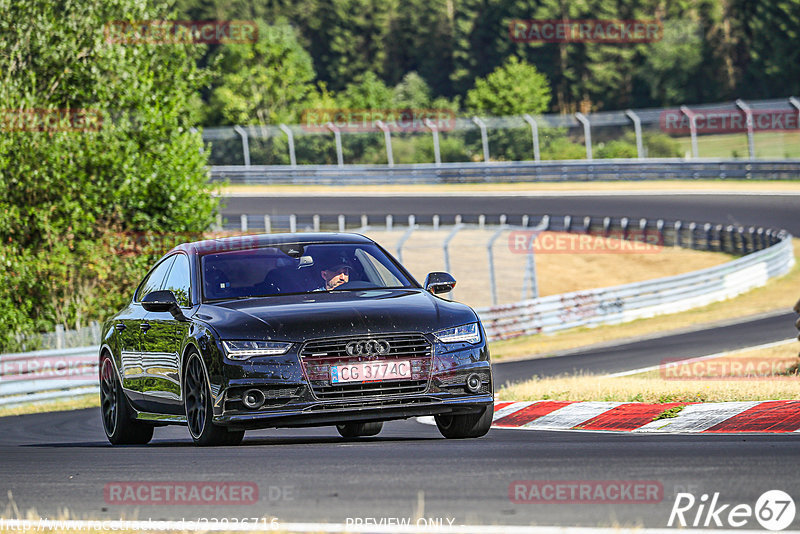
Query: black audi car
291,330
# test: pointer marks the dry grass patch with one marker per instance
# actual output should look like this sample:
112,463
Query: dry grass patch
662,385
778,294
80,402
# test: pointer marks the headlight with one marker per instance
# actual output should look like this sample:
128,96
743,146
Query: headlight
468,332
241,350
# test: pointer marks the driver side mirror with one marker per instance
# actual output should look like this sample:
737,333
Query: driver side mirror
163,301
439,282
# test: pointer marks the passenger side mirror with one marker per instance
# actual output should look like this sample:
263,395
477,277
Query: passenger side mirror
439,282
163,301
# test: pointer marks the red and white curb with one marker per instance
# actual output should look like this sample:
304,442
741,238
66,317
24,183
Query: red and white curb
756,416
712,417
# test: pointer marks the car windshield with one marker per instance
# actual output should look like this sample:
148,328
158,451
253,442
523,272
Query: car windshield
298,268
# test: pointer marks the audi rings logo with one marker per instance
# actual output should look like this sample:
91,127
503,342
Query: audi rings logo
372,347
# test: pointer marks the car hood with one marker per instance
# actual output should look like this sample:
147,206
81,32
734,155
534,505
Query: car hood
337,313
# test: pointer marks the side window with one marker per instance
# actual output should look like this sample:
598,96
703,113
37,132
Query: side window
179,282
154,280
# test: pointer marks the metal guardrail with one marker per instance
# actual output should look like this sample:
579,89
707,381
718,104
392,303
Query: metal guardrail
672,294
63,373
516,171
48,374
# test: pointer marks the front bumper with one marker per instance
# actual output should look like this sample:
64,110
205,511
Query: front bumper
294,399
361,410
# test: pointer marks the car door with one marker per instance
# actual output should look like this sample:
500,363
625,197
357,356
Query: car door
161,339
132,328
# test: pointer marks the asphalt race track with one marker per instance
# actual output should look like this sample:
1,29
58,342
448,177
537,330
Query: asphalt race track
779,211
62,461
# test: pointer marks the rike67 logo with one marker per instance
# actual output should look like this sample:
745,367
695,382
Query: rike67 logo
774,510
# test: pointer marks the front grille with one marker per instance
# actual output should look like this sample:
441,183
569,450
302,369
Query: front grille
317,357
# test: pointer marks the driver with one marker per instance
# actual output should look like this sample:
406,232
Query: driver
335,272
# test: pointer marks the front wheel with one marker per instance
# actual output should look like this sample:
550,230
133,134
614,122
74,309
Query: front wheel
197,402
471,425
359,430
118,422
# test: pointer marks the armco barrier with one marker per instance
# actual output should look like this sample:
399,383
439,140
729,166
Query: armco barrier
52,374
516,171
623,303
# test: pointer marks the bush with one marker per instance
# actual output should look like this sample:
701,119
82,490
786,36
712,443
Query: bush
66,189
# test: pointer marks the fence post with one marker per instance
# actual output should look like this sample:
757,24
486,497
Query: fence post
364,222
492,279
637,128
337,136
446,250
751,147
534,135
290,139
243,222
678,226
481,221
387,139
403,240
796,103
435,222
218,222
316,222
341,223
245,144
484,138
60,336
692,128
292,223
389,223
436,155
587,133
267,224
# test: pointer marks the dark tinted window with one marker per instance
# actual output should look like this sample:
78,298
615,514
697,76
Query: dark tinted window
178,281
154,281
296,269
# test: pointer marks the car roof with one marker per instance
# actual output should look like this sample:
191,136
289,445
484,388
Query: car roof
244,242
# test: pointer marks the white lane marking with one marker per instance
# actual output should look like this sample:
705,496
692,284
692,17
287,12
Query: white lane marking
571,415
421,525
510,193
698,417
709,357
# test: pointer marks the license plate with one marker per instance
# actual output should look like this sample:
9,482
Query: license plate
370,371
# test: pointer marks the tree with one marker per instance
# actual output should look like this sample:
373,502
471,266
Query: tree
512,89
266,83
120,159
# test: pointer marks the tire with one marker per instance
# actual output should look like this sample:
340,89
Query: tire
118,422
472,425
199,413
359,430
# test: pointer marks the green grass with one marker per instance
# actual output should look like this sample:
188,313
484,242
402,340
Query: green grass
768,145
